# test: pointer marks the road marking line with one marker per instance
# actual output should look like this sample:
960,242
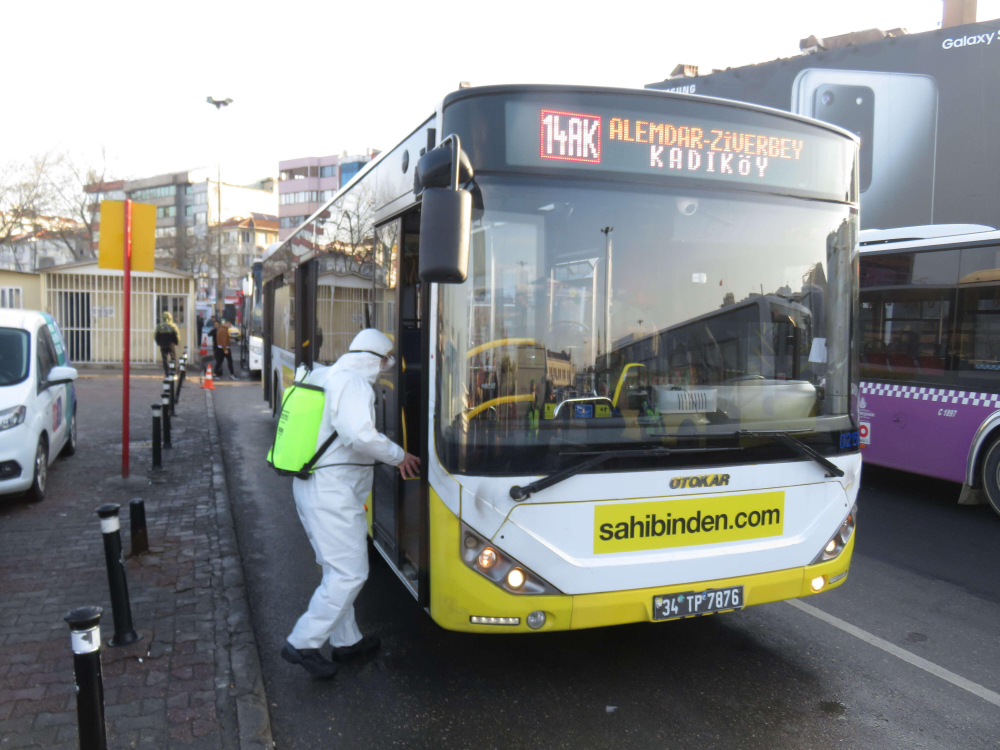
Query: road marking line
928,666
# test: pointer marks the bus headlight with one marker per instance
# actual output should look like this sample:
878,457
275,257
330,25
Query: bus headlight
515,578
487,558
839,540
499,567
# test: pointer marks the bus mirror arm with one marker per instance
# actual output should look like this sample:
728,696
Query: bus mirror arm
445,214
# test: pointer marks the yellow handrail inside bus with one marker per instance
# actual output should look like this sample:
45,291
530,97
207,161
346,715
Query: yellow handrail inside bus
402,417
621,382
497,402
498,342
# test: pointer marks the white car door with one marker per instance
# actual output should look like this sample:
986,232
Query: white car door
51,399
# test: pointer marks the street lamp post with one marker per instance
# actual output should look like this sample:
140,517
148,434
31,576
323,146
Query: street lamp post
219,300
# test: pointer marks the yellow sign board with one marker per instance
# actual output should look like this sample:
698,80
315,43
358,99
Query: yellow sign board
111,253
689,521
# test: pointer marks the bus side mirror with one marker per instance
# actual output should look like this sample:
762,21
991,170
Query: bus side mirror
445,215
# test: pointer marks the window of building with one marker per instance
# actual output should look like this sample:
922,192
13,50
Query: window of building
11,297
305,196
347,171
298,173
146,194
286,222
166,232
165,212
201,218
247,237
329,171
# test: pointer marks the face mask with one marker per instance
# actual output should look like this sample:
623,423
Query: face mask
387,363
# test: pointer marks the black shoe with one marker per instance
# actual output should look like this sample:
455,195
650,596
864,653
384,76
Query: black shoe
311,660
366,645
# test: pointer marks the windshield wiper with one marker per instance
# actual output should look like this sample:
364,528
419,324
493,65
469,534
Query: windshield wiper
597,458
790,441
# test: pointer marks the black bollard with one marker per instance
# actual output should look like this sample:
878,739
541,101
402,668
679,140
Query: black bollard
165,403
85,639
157,452
121,610
137,525
168,388
181,375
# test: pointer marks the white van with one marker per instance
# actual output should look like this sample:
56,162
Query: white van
37,401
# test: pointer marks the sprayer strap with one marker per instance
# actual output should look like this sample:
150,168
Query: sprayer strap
308,467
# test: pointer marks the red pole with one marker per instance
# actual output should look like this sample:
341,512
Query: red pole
128,334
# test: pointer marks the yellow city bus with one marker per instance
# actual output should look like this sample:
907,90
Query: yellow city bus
625,328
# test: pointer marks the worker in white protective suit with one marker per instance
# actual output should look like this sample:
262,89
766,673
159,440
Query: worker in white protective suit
331,503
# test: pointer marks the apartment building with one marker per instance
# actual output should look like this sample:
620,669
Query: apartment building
242,240
187,208
42,242
304,184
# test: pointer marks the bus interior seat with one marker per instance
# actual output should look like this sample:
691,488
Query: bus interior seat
931,365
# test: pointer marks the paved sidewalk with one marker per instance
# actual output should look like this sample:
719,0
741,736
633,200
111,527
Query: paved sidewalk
193,681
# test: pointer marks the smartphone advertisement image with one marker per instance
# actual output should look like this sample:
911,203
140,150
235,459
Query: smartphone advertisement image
921,105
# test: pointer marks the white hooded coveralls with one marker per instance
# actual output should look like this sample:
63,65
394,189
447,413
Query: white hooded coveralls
331,502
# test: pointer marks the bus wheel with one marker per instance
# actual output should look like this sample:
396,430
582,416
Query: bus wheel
991,475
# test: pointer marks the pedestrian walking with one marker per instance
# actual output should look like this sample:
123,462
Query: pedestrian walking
221,349
167,338
331,501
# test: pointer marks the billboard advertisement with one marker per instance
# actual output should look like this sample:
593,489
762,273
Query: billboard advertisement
925,106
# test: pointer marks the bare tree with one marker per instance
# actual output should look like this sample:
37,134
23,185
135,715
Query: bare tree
24,194
70,199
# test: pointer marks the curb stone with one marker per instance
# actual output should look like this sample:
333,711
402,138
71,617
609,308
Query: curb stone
240,661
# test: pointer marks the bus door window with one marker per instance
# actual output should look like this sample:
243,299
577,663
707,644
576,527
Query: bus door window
387,488
408,318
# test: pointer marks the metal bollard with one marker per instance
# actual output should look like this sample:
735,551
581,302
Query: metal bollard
181,375
157,452
121,610
85,639
168,388
165,404
137,525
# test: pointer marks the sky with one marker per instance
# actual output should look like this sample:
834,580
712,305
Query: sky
315,78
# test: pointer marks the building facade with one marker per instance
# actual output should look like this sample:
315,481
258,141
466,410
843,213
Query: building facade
242,240
43,242
304,184
187,208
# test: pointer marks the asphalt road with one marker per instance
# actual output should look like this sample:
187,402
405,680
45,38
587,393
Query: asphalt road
925,578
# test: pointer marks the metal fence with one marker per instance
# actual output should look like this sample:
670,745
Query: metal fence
89,309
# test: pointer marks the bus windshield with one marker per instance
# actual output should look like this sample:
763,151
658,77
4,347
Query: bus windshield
598,315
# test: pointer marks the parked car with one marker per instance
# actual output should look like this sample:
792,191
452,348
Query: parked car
234,334
37,401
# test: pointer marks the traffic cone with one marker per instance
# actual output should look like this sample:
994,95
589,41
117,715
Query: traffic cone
206,382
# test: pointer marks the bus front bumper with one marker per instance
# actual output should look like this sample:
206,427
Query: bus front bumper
458,593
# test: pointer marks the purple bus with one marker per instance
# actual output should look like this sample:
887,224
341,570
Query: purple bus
930,354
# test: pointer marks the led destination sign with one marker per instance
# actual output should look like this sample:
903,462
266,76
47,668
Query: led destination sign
620,140
576,137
